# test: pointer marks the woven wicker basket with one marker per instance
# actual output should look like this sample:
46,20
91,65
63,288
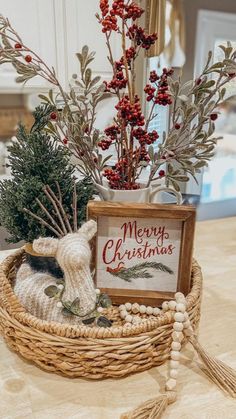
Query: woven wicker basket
83,351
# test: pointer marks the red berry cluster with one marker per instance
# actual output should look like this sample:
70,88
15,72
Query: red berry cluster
105,143
133,11
150,91
104,6
119,8
145,137
137,34
112,131
109,23
116,179
130,54
144,156
153,76
160,94
126,11
118,82
131,113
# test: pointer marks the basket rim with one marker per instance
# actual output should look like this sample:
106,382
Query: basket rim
11,307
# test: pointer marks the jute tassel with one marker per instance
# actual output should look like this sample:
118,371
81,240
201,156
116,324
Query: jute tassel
220,373
153,408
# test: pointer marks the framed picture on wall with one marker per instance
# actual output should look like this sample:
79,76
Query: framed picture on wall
143,252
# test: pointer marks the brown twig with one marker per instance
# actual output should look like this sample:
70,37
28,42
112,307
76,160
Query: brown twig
42,221
60,207
59,191
49,216
56,209
74,207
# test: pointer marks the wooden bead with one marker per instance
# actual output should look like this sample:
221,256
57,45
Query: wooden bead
156,311
175,355
170,384
179,317
179,296
128,306
177,336
142,309
178,327
172,305
129,318
173,373
176,346
149,310
135,308
123,314
180,307
165,306
122,307
174,364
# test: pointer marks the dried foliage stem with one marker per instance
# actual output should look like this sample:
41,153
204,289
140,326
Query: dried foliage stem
42,221
60,206
49,216
56,209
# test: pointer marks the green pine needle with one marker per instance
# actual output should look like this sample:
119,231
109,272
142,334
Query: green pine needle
37,160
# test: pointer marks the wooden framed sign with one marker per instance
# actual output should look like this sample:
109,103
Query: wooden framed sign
143,252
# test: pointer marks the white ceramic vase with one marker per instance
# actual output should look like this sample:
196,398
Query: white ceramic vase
153,193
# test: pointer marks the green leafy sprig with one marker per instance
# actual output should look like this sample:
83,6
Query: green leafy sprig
190,142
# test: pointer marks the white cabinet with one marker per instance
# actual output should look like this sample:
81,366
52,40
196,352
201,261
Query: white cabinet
56,30
34,21
84,29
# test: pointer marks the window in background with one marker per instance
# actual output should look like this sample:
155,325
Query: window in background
219,179
218,182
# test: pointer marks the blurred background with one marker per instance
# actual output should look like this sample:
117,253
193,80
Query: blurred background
187,30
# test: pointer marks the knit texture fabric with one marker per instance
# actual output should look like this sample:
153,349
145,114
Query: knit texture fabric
73,255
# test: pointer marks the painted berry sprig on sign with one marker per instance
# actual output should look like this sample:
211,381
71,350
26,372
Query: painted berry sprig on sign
175,155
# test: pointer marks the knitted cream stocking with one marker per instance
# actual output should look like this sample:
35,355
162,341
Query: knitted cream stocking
221,374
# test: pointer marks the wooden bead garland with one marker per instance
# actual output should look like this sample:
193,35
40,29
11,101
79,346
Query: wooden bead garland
181,326
180,309
128,308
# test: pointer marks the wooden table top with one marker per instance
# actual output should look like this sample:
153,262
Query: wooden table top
26,392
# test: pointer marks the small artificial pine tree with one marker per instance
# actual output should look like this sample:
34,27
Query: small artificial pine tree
36,160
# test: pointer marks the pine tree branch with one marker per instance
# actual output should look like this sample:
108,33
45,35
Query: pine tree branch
139,271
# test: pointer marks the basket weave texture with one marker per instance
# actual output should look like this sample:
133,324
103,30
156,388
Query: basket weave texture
83,351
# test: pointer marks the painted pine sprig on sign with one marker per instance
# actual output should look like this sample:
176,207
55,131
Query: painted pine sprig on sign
139,271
